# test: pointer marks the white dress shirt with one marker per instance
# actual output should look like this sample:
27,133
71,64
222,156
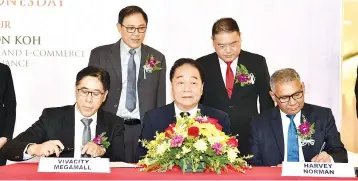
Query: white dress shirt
223,67
285,124
192,112
79,127
125,55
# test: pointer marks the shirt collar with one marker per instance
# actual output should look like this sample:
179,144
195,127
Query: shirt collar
125,48
224,63
192,112
284,115
79,116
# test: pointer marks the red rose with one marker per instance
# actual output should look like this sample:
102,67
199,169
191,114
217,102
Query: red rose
215,123
193,131
169,131
232,142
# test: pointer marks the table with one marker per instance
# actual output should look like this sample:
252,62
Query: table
28,171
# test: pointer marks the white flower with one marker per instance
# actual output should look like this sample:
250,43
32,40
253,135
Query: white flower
162,148
252,78
200,145
216,139
232,155
178,156
185,150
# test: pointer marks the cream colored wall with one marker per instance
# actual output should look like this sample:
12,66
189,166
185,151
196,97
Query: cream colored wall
349,122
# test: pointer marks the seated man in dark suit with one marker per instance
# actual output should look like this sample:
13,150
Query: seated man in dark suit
274,132
187,81
67,131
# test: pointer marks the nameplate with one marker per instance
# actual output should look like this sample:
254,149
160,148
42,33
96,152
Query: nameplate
100,165
312,169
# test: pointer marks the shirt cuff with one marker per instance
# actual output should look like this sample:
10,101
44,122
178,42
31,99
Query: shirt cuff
25,155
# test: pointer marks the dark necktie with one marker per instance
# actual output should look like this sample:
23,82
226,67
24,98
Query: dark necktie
183,114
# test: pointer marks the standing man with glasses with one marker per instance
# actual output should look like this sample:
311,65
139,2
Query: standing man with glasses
277,132
138,75
67,131
235,79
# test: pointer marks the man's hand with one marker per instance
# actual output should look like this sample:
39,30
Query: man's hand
93,149
3,141
46,149
322,157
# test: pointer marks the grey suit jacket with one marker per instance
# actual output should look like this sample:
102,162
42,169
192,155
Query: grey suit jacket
151,91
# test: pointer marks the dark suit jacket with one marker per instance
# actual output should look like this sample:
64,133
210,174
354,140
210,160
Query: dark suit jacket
7,103
243,104
267,136
58,124
160,118
151,91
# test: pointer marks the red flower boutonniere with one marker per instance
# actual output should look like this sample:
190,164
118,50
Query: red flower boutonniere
102,140
305,132
243,76
151,65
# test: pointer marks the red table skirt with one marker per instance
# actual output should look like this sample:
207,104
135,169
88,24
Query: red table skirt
28,171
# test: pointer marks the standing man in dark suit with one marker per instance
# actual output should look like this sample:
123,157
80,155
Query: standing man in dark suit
137,75
275,131
234,79
67,131
187,80
7,108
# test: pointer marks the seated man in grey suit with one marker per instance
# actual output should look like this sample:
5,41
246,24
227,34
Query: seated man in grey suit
187,81
283,133
67,131
137,75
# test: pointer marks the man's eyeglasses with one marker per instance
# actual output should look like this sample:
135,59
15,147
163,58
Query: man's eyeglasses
132,29
94,94
285,99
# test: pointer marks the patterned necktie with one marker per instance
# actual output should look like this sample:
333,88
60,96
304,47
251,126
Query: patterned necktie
292,141
182,114
86,135
131,83
229,79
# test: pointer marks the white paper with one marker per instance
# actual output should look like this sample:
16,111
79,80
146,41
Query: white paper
93,165
312,169
123,165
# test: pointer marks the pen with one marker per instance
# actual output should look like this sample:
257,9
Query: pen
322,147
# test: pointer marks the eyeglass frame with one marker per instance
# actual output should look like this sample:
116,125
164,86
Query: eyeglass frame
290,96
88,92
135,29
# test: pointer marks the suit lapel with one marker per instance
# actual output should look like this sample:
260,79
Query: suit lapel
276,125
218,78
239,91
170,114
144,55
70,120
101,123
115,58
307,150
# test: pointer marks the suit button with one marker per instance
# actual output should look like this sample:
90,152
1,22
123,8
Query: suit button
115,105
118,89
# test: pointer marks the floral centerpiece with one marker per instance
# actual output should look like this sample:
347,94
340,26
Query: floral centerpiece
195,143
